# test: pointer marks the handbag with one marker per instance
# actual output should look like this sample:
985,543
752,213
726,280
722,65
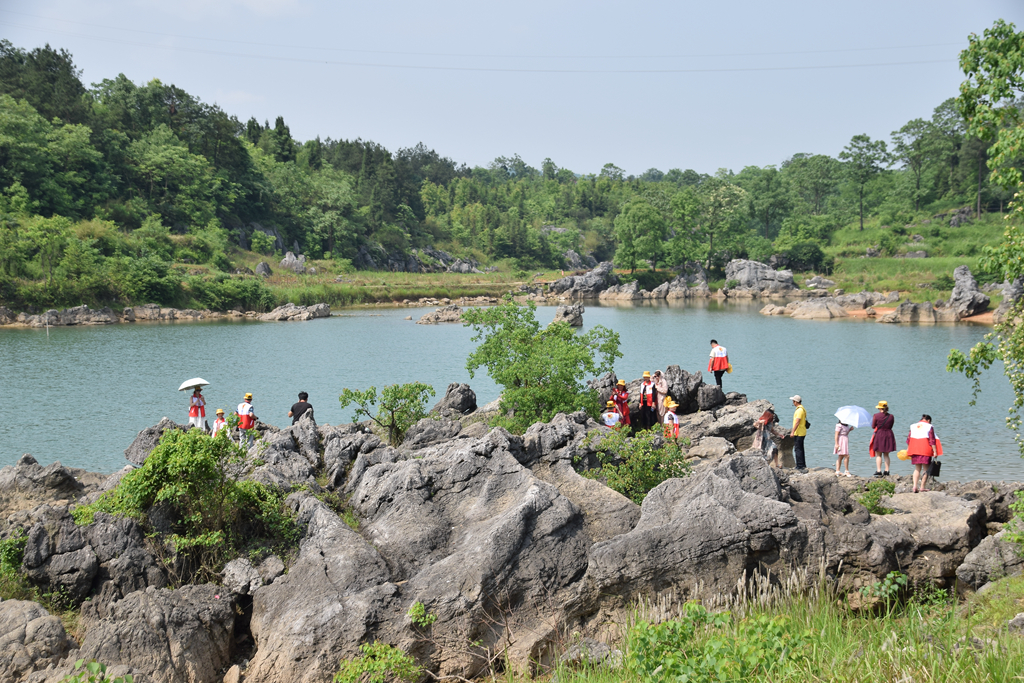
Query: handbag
934,468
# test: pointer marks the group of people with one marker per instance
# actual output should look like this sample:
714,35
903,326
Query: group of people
246,415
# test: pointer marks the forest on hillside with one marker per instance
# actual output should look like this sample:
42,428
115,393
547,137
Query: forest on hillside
104,188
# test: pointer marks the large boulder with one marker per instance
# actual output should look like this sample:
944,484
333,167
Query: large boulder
734,423
966,299
27,484
818,309
263,269
866,299
464,266
571,314
148,439
909,312
626,292
758,277
458,398
31,639
692,282
993,558
574,261
293,263
587,286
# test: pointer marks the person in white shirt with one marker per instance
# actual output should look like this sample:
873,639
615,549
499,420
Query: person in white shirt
220,423
611,416
672,421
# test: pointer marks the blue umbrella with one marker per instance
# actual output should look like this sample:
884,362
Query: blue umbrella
855,416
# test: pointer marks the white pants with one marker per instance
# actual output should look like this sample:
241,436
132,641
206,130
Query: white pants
196,421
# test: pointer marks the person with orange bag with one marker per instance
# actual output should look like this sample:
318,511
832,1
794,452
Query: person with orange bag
922,446
718,363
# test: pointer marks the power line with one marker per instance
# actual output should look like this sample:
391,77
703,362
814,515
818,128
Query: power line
488,56
422,67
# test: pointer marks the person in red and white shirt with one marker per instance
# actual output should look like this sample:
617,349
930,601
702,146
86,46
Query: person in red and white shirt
197,409
220,424
611,416
246,420
648,403
921,447
718,363
671,421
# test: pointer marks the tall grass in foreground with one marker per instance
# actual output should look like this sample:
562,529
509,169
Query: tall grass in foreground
783,633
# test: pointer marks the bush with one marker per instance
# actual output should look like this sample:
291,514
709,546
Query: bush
377,664
401,406
216,517
94,672
261,243
875,490
635,465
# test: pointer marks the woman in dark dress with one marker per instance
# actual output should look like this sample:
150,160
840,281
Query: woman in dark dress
884,441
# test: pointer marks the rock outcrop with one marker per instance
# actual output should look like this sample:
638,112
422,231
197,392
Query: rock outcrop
290,312
296,264
446,314
866,299
908,312
148,439
574,261
966,299
458,398
629,291
993,558
754,277
587,286
571,314
263,269
1012,292
27,484
31,639
818,309
79,315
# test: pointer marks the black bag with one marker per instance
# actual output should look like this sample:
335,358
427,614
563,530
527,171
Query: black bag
935,468
807,424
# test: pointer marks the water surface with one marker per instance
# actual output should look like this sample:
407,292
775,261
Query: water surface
82,394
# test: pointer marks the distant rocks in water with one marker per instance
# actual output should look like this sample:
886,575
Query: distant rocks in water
908,312
574,261
571,314
588,285
861,300
1012,292
290,312
966,299
79,315
754,277
451,313
818,282
625,292
155,312
263,269
818,309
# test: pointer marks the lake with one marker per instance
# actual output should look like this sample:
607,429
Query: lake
81,394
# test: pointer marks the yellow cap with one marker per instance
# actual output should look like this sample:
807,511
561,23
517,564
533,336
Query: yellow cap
622,382
248,397
882,404
646,374
611,403
220,411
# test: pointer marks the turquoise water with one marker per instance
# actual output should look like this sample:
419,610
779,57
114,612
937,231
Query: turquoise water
82,394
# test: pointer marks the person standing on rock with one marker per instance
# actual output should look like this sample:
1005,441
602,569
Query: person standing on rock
661,384
611,416
197,409
220,424
300,408
799,431
671,421
620,395
842,446
883,442
718,363
648,402
246,421
921,447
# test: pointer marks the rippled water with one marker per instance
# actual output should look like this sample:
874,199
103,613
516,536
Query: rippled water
82,394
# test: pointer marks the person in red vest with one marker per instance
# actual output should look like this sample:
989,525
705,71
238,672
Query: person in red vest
921,447
671,426
246,420
220,425
648,403
621,397
197,409
611,416
718,363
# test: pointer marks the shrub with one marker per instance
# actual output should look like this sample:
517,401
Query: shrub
875,490
94,672
216,516
377,664
401,406
261,243
635,465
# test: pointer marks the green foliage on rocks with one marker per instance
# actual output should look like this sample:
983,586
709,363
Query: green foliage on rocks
94,672
633,465
377,664
400,407
541,370
215,517
875,490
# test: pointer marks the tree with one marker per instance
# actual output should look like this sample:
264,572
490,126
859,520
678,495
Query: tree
863,157
641,233
767,196
913,145
541,371
994,66
401,406
720,203
814,178
611,172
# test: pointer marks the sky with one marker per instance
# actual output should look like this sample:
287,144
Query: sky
682,84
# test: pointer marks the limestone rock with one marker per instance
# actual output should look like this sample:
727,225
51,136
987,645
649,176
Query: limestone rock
447,314
1016,625
773,309
293,263
574,261
571,314
27,484
711,447
147,440
691,283
430,431
263,269
818,282
626,292
758,277
908,312
819,309
586,286
993,558
461,266
290,311
966,299
79,315
865,299
240,577
31,639
710,396
459,398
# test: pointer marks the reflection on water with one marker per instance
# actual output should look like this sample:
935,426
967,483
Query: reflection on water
81,394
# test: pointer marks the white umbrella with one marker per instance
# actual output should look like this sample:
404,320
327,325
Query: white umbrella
855,416
194,382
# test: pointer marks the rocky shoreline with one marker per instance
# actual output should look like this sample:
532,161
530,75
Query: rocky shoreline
83,315
499,536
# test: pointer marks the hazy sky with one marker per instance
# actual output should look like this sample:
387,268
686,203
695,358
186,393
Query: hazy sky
682,84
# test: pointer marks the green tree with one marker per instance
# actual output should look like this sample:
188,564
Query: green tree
768,196
400,407
541,370
641,231
864,158
814,178
913,146
720,204
633,465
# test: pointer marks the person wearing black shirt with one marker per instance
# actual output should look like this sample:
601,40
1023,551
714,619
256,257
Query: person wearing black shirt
301,407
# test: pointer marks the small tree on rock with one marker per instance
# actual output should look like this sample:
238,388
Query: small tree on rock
400,407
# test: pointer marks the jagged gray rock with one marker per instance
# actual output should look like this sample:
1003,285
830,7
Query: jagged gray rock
818,309
458,398
290,312
446,314
571,314
909,312
263,269
79,315
993,558
31,639
587,286
147,440
710,396
293,263
966,299
240,577
866,299
27,484
755,276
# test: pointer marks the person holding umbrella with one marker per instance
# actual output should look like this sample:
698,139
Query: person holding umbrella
197,409
850,418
